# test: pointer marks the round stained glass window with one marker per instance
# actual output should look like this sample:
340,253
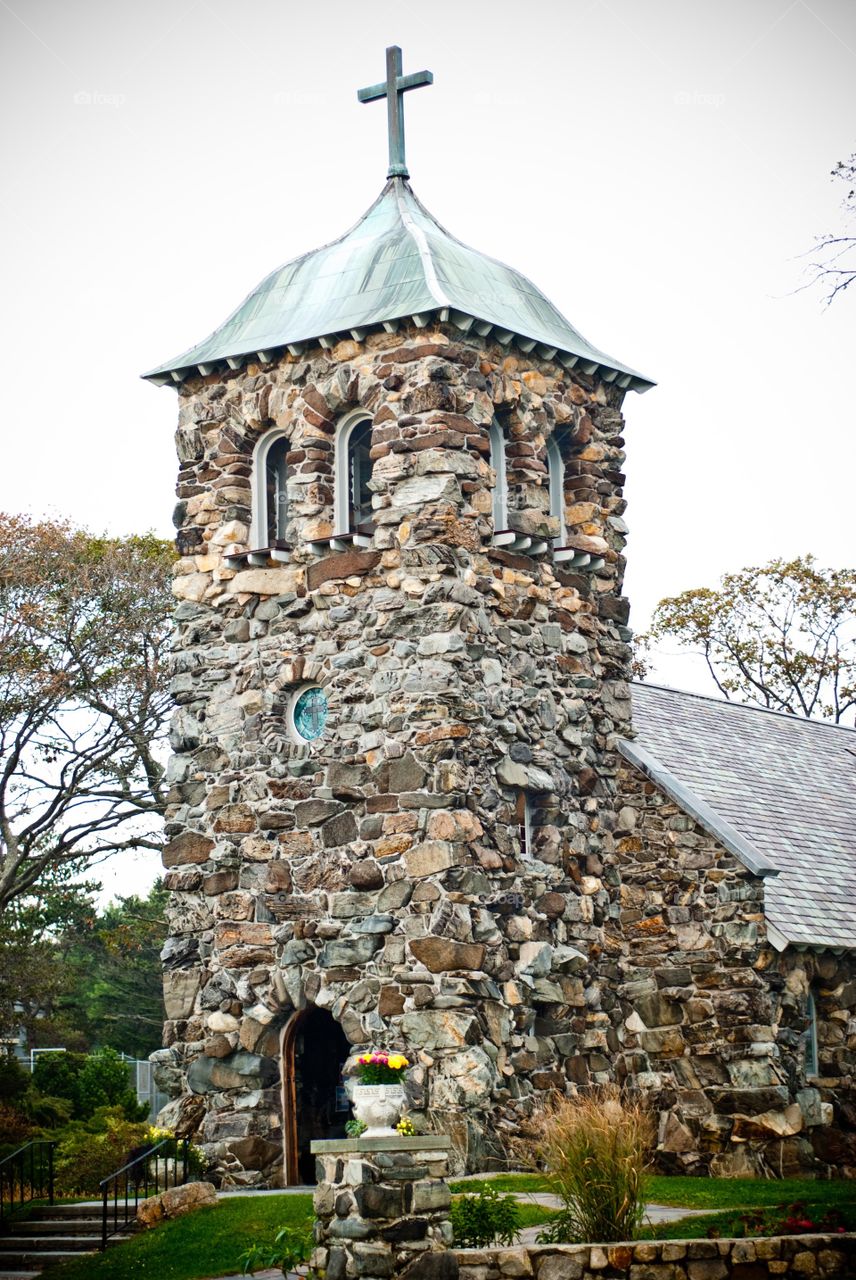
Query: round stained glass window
309,714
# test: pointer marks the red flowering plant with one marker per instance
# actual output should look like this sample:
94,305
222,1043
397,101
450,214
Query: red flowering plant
784,1220
801,1222
381,1067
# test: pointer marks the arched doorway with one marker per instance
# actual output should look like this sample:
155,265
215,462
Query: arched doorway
314,1102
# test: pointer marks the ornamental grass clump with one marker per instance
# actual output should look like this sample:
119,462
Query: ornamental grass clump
594,1149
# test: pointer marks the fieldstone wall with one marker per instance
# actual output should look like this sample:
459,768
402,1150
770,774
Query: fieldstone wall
714,1017
378,871
828,1139
382,1209
832,1256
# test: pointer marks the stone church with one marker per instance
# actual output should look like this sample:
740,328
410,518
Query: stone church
415,801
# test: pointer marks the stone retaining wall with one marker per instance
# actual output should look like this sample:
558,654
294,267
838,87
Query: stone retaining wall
832,1256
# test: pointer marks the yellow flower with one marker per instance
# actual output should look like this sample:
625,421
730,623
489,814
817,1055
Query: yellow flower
397,1060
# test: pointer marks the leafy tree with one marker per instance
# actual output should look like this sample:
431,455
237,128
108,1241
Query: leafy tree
34,973
55,1074
833,264
14,1080
782,636
88,1081
84,628
116,988
105,1081
83,979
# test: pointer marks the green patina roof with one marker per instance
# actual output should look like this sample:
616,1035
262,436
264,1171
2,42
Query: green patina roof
396,264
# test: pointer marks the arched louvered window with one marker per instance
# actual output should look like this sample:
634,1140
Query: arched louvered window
810,1035
496,436
523,813
353,496
270,490
556,472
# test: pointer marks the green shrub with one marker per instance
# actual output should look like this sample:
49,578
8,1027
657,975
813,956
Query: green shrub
291,1248
104,1081
15,1129
594,1148
55,1074
83,1156
197,1160
44,1112
480,1218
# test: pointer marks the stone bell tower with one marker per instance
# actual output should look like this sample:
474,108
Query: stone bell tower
401,663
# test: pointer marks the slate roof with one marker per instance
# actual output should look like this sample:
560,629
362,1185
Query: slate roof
786,786
397,263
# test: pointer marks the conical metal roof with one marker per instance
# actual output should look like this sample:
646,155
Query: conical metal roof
396,264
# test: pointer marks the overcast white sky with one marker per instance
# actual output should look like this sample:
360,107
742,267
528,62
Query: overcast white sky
655,166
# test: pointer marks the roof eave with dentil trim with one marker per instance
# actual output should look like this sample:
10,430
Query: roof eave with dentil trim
396,265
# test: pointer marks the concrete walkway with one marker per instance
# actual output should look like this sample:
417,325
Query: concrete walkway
653,1212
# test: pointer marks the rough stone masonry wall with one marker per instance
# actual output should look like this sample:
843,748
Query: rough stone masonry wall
830,1140
377,872
715,1017
827,1257
382,1209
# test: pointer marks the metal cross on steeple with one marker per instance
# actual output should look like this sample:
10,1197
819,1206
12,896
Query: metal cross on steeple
393,89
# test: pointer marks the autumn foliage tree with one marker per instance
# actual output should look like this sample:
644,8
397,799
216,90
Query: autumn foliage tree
782,636
84,630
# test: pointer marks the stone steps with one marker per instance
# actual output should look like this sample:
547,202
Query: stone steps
58,1227
50,1234
35,1260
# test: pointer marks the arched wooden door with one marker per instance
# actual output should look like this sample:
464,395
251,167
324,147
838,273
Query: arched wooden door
314,1102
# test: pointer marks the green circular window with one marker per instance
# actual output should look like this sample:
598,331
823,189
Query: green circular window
309,714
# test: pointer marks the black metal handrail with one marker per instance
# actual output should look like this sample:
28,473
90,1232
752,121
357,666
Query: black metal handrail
138,1179
27,1174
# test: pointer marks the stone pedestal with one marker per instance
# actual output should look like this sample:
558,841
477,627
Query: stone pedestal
382,1209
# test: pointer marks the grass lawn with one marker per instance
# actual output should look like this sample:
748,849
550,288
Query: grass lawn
516,1182
765,1203
209,1243
532,1215
206,1243
702,1193
747,1193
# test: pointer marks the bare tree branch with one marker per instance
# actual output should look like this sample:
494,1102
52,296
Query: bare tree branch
832,264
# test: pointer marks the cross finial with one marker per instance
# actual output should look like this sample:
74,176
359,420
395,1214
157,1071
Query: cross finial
393,89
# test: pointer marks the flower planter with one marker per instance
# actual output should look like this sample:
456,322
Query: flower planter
378,1106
